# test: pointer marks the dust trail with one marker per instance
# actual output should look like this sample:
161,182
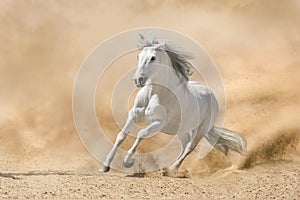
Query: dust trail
276,147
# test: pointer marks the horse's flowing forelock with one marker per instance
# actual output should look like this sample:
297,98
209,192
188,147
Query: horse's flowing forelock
178,56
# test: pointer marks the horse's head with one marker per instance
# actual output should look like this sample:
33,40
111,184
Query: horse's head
147,58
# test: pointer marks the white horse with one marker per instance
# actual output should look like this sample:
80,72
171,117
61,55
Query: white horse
168,102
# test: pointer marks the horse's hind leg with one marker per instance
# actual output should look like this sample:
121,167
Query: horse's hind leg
184,139
189,147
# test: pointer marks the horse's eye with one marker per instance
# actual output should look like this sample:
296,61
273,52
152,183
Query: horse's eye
137,57
153,58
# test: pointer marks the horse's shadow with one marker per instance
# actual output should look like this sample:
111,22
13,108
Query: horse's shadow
18,175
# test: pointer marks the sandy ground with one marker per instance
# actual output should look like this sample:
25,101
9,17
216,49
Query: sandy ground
272,180
75,176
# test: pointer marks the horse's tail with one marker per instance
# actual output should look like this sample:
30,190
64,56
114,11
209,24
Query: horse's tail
224,140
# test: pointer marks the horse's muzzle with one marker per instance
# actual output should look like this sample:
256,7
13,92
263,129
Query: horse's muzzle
140,82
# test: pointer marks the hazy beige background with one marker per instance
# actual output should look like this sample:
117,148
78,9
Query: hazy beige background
256,45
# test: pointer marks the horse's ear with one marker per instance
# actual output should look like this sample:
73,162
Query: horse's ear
141,36
163,45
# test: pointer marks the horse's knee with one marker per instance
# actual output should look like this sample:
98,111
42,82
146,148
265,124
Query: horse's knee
143,133
120,137
189,147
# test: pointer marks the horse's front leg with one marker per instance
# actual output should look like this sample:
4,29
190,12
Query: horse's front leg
132,117
156,115
152,128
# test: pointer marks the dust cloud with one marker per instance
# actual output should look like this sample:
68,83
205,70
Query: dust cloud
255,44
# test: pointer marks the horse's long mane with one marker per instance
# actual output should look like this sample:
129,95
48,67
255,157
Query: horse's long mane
178,56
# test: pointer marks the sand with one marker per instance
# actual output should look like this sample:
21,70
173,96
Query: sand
273,180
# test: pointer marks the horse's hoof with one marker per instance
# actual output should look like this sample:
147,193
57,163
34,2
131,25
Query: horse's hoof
164,171
104,169
128,164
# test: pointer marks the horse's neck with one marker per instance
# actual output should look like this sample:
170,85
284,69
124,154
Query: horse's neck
166,80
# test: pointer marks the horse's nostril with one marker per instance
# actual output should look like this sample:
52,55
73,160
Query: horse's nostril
141,79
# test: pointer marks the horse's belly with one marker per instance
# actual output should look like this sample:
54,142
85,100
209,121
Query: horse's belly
177,124
172,127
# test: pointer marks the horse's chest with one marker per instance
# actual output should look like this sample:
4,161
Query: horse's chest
161,108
